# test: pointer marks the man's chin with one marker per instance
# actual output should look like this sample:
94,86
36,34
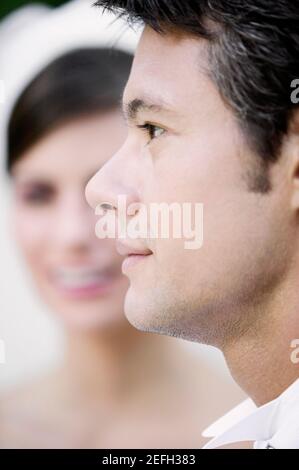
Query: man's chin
139,314
135,312
144,316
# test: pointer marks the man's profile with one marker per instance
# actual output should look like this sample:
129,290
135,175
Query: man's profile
211,120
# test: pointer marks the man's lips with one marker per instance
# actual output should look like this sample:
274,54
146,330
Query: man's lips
134,255
124,249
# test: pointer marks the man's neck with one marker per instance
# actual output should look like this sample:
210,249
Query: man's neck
261,359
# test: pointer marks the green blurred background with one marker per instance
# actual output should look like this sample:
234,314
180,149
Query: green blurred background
7,6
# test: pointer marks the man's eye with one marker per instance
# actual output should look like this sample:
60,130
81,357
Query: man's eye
151,130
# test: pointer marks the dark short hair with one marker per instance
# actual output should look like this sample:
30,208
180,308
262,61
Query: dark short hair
253,50
81,82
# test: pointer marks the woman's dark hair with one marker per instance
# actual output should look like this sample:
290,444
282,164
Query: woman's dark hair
79,83
254,55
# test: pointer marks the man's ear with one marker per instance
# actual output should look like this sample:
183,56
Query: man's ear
293,154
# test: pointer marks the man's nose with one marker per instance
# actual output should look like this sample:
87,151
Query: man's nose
101,189
113,180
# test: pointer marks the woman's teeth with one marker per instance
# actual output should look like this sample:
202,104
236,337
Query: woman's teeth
74,278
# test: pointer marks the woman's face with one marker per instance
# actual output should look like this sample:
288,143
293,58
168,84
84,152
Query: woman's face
76,274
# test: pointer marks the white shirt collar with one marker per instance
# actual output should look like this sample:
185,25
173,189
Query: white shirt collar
275,424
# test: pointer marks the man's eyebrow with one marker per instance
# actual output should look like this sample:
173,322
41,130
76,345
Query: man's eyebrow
131,109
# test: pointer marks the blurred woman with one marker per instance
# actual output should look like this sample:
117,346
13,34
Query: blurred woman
116,387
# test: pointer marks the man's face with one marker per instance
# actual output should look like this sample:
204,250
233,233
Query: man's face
193,151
